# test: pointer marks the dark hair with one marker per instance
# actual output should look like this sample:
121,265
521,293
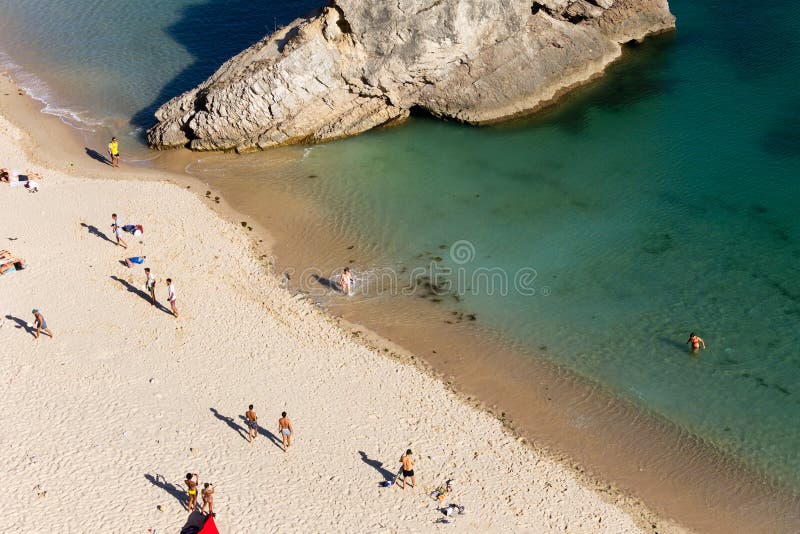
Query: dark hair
169,280
251,407
408,451
147,269
188,476
347,269
206,485
113,138
691,335
283,414
113,214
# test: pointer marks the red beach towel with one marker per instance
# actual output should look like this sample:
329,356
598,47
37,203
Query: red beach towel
209,527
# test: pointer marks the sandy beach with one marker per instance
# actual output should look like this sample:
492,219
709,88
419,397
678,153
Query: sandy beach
102,422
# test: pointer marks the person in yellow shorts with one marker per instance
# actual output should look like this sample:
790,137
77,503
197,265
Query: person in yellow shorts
113,152
191,482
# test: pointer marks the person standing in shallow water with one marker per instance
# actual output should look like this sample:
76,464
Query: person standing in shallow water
346,282
285,430
113,152
695,341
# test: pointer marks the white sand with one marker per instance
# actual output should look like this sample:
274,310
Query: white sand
124,391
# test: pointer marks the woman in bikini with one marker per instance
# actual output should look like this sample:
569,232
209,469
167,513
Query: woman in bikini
191,483
208,498
346,282
695,341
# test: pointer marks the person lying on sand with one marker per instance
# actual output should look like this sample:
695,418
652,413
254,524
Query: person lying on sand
285,430
191,482
41,324
138,260
252,424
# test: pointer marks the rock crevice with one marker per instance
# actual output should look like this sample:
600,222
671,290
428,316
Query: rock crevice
355,65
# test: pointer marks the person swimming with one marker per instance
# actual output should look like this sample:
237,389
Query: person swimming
695,341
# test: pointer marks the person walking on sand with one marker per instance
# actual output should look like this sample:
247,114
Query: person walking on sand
408,469
208,498
695,341
252,423
285,430
346,282
113,152
171,297
41,324
191,482
150,284
117,227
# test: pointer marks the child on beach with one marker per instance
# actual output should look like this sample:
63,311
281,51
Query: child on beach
192,481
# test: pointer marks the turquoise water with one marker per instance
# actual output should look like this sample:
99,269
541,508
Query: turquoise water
660,200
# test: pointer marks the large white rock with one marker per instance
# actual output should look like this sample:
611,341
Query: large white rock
357,64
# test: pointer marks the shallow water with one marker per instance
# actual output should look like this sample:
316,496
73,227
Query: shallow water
662,199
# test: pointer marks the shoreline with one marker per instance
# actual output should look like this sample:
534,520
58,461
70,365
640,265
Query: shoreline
227,212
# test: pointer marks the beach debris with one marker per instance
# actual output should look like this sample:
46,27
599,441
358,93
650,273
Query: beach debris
160,507
244,224
152,380
192,450
208,193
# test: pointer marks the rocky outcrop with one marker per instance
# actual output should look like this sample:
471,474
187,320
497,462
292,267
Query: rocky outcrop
356,64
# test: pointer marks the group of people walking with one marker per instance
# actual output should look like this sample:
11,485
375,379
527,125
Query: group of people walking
150,281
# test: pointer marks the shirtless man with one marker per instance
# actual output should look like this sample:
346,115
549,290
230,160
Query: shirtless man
252,424
41,324
191,482
695,341
208,498
408,469
285,430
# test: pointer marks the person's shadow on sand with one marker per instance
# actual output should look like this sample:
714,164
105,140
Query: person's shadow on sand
94,231
266,433
230,422
97,156
377,466
22,324
135,290
169,487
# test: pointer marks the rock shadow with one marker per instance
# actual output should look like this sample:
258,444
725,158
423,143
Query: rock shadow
213,32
